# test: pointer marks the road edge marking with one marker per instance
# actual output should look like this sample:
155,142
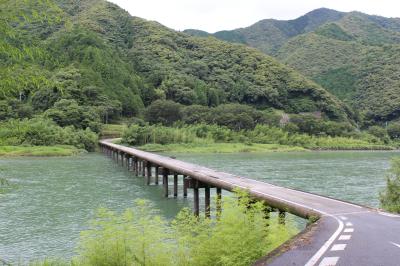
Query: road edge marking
314,259
397,245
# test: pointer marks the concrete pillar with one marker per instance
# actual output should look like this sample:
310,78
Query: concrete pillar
165,182
185,187
207,201
175,185
148,166
156,175
196,209
144,163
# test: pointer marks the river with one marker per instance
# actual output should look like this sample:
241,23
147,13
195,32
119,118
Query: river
54,198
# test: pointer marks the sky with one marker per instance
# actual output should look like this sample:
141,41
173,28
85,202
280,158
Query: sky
215,15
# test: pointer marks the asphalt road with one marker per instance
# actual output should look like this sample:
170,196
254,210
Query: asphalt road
359,238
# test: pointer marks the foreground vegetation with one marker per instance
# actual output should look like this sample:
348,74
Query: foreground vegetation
390,197
239,236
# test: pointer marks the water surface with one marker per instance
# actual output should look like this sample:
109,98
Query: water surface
55,197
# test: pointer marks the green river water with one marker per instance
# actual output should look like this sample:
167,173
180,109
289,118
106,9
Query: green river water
53,198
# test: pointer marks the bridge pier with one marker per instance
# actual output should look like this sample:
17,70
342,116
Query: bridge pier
143,168
148,174
136,166
184,186
175,184
207,201
196,201
156,174
165,182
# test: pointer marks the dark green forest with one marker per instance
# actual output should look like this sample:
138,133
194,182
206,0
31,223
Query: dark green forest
353,55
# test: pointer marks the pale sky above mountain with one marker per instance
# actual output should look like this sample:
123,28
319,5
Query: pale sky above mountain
214,15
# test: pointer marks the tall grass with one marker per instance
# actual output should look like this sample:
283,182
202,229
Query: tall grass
139,236
390,197
261,134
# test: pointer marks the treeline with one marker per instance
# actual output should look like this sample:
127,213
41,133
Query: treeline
168,122
207,134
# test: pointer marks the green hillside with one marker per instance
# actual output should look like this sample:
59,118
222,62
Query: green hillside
97,56
353,55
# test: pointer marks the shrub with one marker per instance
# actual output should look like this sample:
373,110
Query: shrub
39,132
141,237
390,197
379,132
393,131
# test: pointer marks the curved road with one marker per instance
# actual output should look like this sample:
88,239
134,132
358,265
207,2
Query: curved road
349,235
346,234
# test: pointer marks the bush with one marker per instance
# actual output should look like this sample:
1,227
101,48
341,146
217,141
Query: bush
44,132
379,132
140,237
393,131
390,197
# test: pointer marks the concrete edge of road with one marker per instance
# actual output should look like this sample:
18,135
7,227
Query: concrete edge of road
302,238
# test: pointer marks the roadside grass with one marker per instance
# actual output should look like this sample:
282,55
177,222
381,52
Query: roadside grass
58,150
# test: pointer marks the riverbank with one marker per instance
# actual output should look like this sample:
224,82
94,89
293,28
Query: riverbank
217,139
58,150
219,148
253,147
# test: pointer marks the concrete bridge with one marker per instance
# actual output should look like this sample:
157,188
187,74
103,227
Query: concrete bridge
344,234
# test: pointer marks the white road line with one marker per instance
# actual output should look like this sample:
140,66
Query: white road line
348,213
288,201
348,230
397,245
349,224
344,237
329,261
389,214
344,218
326,245
311,194
338,247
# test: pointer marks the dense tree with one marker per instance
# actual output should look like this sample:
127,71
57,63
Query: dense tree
165,112
69,113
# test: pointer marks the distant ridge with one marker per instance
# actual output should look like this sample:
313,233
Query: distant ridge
354,55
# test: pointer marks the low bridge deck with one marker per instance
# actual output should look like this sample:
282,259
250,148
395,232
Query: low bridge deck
373,237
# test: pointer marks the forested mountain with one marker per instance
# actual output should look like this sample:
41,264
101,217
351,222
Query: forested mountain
354,55
93,57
